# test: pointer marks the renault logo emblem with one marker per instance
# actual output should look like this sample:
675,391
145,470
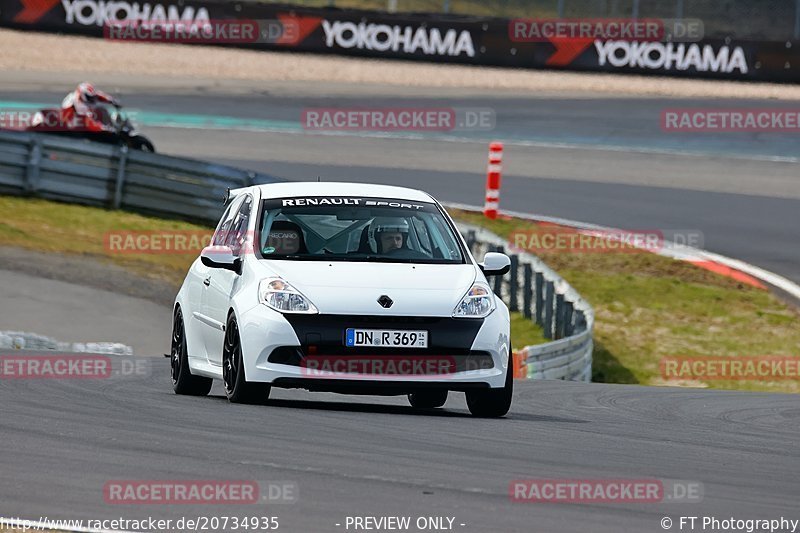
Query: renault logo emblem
385,301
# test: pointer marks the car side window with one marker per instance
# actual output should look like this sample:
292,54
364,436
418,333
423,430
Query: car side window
221,232
422,235
446,245
237,234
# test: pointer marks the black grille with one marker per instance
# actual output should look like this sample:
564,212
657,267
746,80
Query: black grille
446,336
296,355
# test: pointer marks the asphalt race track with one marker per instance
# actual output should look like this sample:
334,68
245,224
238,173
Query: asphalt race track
600,160
366,456
350,456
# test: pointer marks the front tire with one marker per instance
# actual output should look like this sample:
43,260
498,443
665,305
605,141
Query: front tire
140,142
427,399
492,403
183,382
237,388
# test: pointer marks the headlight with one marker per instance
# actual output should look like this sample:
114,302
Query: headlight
478,303
282,297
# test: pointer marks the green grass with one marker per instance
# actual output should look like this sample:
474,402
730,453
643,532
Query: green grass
524,332
66,228
649,307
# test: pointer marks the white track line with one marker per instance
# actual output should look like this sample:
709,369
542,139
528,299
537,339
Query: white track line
685,253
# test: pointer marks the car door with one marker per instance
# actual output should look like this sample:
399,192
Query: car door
222,283
207,325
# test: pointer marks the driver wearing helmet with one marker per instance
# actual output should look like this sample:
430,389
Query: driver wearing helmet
388,233
80,102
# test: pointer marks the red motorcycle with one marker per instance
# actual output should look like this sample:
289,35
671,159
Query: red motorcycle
103,122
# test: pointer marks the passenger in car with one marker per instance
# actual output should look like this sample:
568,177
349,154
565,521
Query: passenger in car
286,238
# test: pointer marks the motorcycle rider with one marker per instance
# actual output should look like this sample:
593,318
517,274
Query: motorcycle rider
78,104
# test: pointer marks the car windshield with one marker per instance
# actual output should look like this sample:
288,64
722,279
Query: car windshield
356,229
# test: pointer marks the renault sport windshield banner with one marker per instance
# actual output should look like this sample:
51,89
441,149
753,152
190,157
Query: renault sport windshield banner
671,47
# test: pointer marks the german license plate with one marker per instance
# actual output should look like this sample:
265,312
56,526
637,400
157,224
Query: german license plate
386,338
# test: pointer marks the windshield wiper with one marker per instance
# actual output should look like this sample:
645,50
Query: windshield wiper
386,259
350,257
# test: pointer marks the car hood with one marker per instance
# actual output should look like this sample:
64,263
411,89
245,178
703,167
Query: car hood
354,288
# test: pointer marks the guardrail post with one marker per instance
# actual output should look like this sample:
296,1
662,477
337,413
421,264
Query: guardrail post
32,171
559,319
568,326
580,321
539,298
122,163
498,280
527,291
513,288
548,309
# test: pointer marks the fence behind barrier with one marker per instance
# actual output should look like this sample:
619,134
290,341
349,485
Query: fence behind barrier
738,19
715,39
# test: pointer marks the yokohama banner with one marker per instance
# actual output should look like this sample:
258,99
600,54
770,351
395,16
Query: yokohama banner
480,41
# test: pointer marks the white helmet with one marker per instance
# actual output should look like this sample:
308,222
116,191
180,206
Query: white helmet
386,224
87,92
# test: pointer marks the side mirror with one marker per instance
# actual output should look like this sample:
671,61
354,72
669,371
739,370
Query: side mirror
221,257
495,264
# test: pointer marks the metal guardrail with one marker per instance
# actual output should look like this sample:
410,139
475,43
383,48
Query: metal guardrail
540,294
79,171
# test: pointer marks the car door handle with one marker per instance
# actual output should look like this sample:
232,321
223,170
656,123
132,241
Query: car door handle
207,281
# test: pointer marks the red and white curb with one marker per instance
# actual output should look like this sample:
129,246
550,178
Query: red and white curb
726,266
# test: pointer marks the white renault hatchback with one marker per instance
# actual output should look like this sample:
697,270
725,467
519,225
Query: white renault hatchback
342,287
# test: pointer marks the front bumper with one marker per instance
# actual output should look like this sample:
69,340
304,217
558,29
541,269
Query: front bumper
278,349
